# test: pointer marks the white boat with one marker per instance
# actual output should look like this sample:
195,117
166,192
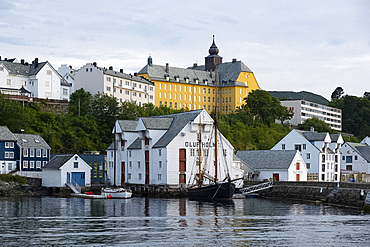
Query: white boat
116,193
89,196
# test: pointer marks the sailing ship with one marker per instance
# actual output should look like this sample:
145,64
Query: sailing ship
214,189
116,192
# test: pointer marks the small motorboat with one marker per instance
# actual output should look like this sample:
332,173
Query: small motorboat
116,193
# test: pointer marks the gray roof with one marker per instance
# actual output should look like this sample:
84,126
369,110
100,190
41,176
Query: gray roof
31,141
267,159
361,148
128,125
57,161
314,136
228,73
136,144
6,134
23,69
302,95
126,76
111,146
157,123
180,120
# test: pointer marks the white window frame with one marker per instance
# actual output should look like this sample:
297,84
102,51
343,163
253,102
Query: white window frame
45,153
38,152
6,144
32,152
38,164
32,164
11,144
11,155
44,163
6,156
25,164
25,152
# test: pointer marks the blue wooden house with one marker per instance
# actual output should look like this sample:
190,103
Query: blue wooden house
9,151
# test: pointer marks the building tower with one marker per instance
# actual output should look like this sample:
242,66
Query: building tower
213,59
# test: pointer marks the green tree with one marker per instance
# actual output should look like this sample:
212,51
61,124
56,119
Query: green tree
317,124
80,102
337,94
264,107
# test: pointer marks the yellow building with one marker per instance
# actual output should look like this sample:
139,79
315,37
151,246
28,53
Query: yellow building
194,87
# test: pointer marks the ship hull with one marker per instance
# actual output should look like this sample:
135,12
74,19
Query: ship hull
215,192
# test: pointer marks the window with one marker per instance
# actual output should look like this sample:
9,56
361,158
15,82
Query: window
128,176
11,155
355,157
65,91
25,164
32,164
349,167
25,152
138,164
129,153
32,152
48,72
323,158
160,164
75,165
38,152
298,147
336,168
308,165
6,155
44,163
192,152
47,84
348,159
6,144
283,146
108,89
159,176
10,166
8,82
38,164
160,152
308,156
45,153
297,166
140,176
323,177
304,146
323,168
343,158
130,164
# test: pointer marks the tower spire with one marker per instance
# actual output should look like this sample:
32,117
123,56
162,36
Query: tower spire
213,59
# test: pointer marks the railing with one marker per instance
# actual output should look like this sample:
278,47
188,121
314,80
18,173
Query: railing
74,186
257,187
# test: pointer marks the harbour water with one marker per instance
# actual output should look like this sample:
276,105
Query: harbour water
50,221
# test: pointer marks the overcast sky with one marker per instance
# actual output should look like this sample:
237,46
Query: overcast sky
314,45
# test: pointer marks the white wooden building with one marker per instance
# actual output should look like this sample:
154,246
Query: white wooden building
320,152
124,87
276,165
63,169
163,150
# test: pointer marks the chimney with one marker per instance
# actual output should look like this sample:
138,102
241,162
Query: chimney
135,74
312,129
195,65
110,67
121,70
22,61
70,66
167,68
234,60
94,63
36,62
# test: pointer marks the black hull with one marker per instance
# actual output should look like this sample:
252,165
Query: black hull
214,192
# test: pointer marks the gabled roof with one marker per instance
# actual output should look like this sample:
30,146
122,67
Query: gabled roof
57,161
228,73
24,69
157,123
31,141
314,136
361,148
6,134
111,146
180,120
302,95
128,125
267,159
136,144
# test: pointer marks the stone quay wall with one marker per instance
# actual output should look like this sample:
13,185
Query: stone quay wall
346,194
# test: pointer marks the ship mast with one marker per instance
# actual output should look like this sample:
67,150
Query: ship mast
200,151
115,156
216,124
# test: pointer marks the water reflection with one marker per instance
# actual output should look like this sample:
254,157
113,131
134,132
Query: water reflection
154,221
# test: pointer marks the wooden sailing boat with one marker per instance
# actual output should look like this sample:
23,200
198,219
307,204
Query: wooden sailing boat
115,192
216,189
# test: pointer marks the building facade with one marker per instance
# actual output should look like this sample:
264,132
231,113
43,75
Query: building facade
66,169
164,150
275,165
355,157
124,87
306,105
320,152
194,87
39,79
8,151
67,86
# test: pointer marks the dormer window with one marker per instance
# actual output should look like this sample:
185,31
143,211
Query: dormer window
186,79
205,81
196,81
37,141
177,78
167,77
